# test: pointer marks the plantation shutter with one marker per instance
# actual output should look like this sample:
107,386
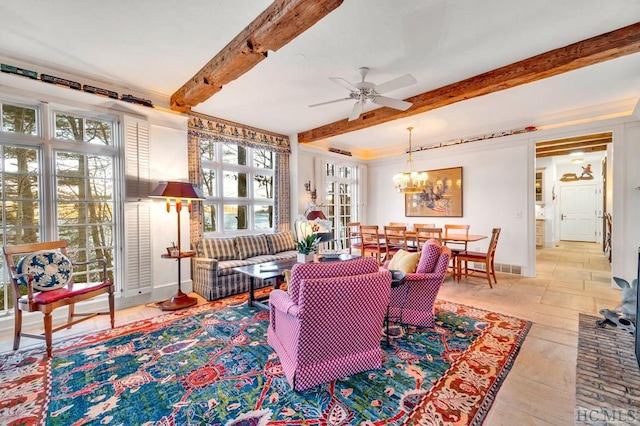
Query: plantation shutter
136,138
137,250
137,213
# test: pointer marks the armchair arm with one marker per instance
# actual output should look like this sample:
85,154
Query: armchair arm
205,263
421,277
15,276
280,300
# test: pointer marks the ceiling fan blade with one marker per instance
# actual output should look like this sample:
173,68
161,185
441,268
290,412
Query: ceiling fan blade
344,83
329,102
358,108
391,103
396,83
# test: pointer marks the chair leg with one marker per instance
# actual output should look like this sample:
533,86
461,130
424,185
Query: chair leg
48,327
493,272
17,329
487,267
112,309
72,309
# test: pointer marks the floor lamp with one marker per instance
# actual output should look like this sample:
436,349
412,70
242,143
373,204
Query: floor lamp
179,191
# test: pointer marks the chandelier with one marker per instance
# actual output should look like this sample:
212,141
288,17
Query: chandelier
408,181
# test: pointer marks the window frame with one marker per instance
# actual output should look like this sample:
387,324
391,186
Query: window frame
46,144
218,200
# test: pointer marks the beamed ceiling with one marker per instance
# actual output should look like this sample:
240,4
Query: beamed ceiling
262,63
566,146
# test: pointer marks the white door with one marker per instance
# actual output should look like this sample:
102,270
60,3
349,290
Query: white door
578,212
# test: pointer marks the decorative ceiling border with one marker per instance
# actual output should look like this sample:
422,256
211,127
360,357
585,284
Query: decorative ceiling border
209,127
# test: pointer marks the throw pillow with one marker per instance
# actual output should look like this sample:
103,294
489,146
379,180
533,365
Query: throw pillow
50,270
404,261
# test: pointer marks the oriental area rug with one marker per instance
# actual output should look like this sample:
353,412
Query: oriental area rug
211,365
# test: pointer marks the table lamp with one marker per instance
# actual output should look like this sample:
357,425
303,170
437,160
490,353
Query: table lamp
178,191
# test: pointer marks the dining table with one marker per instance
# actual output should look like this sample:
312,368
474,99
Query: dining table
453,237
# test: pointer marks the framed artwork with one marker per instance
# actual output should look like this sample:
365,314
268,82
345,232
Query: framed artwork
441,198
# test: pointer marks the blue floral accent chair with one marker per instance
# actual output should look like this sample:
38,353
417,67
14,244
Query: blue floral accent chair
47,273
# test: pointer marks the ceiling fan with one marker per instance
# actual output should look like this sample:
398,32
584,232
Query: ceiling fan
364,91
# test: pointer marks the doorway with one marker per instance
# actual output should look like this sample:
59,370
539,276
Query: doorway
569,161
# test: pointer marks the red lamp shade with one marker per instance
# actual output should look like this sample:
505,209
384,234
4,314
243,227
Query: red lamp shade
316,214
181,190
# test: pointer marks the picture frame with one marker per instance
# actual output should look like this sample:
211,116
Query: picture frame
443,197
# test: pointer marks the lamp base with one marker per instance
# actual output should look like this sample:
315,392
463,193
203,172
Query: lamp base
179,301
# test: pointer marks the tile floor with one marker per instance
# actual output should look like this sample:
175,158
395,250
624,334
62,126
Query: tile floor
540,388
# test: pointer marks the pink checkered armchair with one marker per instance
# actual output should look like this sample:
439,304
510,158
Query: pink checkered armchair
329,325
424,285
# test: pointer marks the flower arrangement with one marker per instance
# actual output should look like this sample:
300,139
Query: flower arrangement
306,235
308,244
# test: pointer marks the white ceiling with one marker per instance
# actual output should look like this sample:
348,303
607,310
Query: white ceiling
152,47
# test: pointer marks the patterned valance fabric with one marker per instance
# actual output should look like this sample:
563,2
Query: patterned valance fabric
219,130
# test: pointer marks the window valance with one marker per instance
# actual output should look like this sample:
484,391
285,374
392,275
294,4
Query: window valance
219,130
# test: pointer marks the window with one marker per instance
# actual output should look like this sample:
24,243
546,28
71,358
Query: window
238,183
19,119
79,129
80,155
341,198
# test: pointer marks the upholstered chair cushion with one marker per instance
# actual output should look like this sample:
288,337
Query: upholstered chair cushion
429,257
404,261
50,270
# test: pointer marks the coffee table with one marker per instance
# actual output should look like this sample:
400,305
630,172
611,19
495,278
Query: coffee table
264,271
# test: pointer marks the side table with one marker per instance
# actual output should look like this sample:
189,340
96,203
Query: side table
180,300
397,280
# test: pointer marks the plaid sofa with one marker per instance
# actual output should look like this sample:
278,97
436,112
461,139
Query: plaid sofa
213,274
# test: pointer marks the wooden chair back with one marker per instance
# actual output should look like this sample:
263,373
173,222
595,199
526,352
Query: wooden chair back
424,225
371,237
486,258
398,224
395,238
354,240
426,233
37,301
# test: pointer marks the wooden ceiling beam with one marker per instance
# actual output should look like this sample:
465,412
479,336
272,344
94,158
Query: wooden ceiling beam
583,138
611,45
567,152
572,146
276,26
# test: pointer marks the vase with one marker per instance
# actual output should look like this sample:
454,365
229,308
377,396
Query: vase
305,258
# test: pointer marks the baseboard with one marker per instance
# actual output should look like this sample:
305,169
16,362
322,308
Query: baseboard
499,267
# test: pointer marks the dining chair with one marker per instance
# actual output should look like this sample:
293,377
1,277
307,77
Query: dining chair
354,240
370,235
424,233
398,224
479,257
395,239
423,225
455,246
47,273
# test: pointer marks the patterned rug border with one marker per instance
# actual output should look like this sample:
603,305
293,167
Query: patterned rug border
427,409
431,404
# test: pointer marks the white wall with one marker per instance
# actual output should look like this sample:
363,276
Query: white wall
626,200
493,192
498,188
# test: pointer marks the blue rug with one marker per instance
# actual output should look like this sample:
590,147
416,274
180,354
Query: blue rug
211,365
